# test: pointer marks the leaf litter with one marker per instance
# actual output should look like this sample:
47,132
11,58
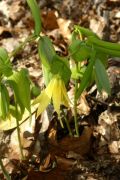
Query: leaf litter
51,153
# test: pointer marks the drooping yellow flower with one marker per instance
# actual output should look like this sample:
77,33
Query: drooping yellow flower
55,91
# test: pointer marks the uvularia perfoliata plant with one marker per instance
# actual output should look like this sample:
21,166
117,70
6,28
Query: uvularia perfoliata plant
85,46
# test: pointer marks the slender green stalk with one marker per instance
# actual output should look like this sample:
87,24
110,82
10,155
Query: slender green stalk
21,46
75,107
61,123
67,123
18,133
6,174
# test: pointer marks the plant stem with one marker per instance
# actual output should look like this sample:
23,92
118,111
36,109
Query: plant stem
67,123
18,133
15,51
4,170
75,107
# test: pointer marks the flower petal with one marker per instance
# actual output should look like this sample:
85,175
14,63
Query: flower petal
64,100
49,89
44,100
56,96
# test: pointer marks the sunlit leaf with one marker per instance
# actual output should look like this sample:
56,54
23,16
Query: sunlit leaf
21,86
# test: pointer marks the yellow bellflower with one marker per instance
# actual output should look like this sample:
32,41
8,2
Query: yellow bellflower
55,91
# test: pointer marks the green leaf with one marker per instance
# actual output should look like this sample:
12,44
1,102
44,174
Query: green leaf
13,112
60,66
46,51
79,50
20,83
4,101
78,73
5,65
84,31
101,76
104,44
17,96
35,90
36,15
99,87
86,77
103,58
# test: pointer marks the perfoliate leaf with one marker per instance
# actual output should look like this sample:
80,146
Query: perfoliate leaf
36,15
5,65
21,86
101,76
60,66
46,51
47,75
79,50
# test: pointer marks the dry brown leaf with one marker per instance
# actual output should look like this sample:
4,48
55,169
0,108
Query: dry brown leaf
80,145
49,20
114,147
46,165
97,26
65,164
15,10
52,136
64,28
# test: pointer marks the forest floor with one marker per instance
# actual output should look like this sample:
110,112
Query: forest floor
51,153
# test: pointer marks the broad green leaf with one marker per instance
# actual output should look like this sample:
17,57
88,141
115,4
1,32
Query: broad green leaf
46,51
86,77
21,86
36,15
101,76
5,65
60,66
